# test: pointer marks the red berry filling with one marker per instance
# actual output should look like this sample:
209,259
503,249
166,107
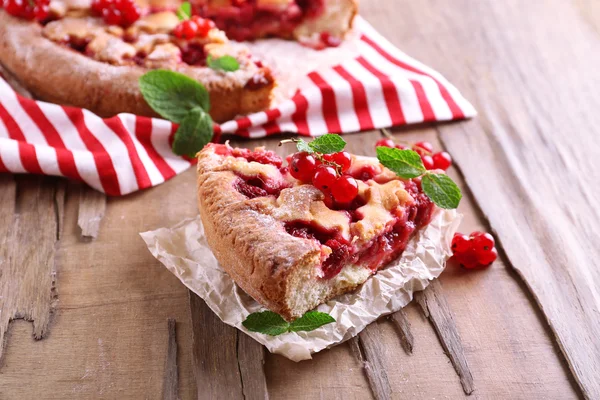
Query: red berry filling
249,19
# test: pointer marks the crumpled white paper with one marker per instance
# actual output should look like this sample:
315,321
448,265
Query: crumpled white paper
183,249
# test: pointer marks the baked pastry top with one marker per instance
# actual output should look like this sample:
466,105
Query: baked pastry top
284,243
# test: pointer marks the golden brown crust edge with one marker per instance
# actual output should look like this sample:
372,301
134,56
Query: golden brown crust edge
56,74
239,235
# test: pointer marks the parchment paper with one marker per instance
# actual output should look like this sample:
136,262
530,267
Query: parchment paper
184,251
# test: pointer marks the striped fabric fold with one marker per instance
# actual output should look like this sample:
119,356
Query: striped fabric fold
381,87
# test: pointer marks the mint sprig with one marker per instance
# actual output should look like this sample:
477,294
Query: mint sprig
183,100
184,11
224,63
407,164
326,144
273,324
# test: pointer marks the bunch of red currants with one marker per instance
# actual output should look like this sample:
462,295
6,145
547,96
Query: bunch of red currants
475,250
440,160
117,12
193,27
27,9
327,173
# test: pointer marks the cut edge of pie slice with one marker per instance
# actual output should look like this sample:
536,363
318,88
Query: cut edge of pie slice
283,245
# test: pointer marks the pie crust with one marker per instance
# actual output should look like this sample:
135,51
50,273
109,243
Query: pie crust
252,240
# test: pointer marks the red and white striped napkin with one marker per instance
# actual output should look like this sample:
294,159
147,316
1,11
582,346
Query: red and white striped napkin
382,87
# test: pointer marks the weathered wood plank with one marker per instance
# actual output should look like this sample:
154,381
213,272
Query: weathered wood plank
216,367
406,337
92,206
531,155
367,349
436,308
171,376
251,360
29,225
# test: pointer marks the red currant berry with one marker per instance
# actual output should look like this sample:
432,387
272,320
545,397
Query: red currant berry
111,16
41,11
99,5
204,26
423,148
345,189
467,259
401,146
13,7
482,241
442,160
324,178
130,15
302,166
385,143
427,161
329,40
461,243
343,159
487,257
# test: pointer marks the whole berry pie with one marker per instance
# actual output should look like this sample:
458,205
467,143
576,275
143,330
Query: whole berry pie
91,53
295,234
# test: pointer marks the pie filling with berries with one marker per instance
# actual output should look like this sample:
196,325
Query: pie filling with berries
91,54
294,235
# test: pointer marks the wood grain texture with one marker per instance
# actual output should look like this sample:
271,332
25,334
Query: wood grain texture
215,354
251,361
367,348
30,225
531,154
406,337
171,376
92,206
435,307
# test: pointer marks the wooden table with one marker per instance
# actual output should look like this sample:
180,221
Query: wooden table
526,328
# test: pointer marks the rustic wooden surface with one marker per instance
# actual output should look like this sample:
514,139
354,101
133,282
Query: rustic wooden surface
528,67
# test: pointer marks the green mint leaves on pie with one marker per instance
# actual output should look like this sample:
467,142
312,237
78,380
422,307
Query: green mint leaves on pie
441,190
407,164
224,63
195,132
273,324
184,11
326,144
183,100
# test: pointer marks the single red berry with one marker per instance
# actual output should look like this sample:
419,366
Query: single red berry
325,177
487,257
427,161
27,10
203,26
482,241
467,259
302,166
343,159
99,5
130,15
442,160
401,146
461,243
423,148
41,11
385,143
329,40
13,7
111,16
344,189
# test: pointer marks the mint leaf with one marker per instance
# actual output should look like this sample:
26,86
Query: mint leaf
195,132
225,63
441,190
173,95
266,322
301,145
184,11
328,144
405,163
311,321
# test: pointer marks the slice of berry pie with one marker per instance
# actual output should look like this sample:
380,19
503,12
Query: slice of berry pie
293,236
